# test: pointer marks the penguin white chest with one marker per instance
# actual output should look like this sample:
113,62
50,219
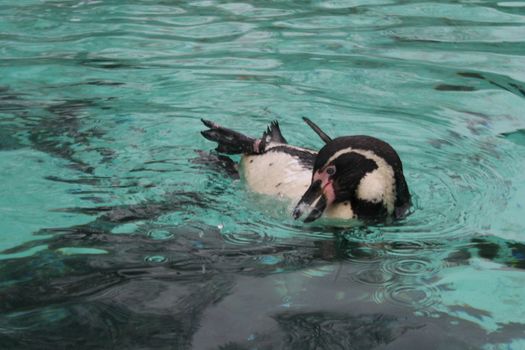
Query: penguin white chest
276,174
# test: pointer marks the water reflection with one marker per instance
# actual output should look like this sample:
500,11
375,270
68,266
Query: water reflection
147,290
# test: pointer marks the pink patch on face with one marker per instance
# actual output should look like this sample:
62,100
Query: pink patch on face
329,193
256,145
326,184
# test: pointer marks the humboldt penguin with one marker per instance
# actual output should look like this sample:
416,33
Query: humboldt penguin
350,177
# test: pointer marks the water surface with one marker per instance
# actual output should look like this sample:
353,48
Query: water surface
119,228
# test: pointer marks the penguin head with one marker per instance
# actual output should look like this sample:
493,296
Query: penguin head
359,170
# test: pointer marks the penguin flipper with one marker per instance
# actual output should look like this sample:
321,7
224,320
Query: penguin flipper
229,141
317,130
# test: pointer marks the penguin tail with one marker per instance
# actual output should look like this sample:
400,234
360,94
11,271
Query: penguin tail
229,141
273,134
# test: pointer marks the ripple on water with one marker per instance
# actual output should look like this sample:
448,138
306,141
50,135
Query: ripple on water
403,247
334,22
411,267
416,295
455,185
246,238
214,31
254,12
373,277
159,234
269,259
343,4
364,254
480,14
156,259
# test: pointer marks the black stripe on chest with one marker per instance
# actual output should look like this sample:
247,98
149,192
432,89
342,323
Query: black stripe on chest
307,159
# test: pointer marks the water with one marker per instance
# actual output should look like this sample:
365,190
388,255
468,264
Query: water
119,230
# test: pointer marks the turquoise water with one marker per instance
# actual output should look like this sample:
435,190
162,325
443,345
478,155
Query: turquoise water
119,229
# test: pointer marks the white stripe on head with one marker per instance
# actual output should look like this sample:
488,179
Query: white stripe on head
376,186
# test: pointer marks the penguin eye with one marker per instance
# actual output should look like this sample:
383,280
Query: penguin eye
330,170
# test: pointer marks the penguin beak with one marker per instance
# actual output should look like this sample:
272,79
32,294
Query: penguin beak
313,199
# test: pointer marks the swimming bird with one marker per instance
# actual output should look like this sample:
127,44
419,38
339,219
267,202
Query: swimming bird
350,177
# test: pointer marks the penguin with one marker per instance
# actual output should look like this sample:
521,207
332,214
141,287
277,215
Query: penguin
350,178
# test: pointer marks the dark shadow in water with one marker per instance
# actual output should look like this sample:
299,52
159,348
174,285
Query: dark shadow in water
450,87
501,251
516,136
86,59
329,330
48,134
10,103
501,82
8,141
147,293
53,128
